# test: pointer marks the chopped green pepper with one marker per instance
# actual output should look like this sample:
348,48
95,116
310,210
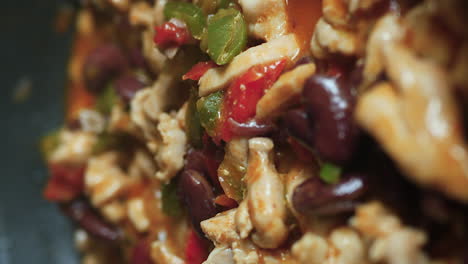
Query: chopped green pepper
194,129
49,143
106,100
191,14
227,35
330,173
105,142
170,201
211,6
209,110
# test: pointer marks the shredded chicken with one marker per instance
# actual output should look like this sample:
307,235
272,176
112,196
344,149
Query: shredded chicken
265,196
74,147
310,249
288,87
221,229
141,14
220,255
416,119
391,242
327,39
104,180
161,254
91,121
284,47
243,223
170,151
137,215
267,19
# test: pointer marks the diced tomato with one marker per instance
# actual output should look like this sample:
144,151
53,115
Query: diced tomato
225,201
66,182
196,251
198,70
170,34
241,99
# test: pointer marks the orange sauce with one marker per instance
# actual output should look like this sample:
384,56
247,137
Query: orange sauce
303,15
77,96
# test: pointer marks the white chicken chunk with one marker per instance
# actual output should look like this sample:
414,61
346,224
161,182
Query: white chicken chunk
267,208
266,19
288,87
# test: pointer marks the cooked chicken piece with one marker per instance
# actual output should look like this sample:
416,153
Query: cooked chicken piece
327,39
335,12
267,19
419,126
161,254
243,222
265,197
155,58
342,246
149,103
416,119
401,247
391,242
120,121
141,14
121,5
220,255
374,220
74,147
137,215
104,180
284,47
142,165
427,37
91,121
348,247
288,87
221,229
387,30
297,175
159,12
114,211
341,13
310,249
362,5
171,150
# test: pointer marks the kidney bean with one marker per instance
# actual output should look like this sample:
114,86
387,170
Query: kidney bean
198,196
315,197
141,253
127,86
250,128
330,103
86,217
298,125
103,64
205,164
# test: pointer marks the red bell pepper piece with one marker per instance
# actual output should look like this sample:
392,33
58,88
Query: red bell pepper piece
66,182
198,70
171,35
226,202
242,96
196,251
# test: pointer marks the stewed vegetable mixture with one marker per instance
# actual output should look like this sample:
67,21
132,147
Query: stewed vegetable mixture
265,131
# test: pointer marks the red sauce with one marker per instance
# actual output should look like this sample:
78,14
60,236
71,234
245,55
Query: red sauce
303,15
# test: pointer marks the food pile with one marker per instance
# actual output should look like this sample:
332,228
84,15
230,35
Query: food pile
266,131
